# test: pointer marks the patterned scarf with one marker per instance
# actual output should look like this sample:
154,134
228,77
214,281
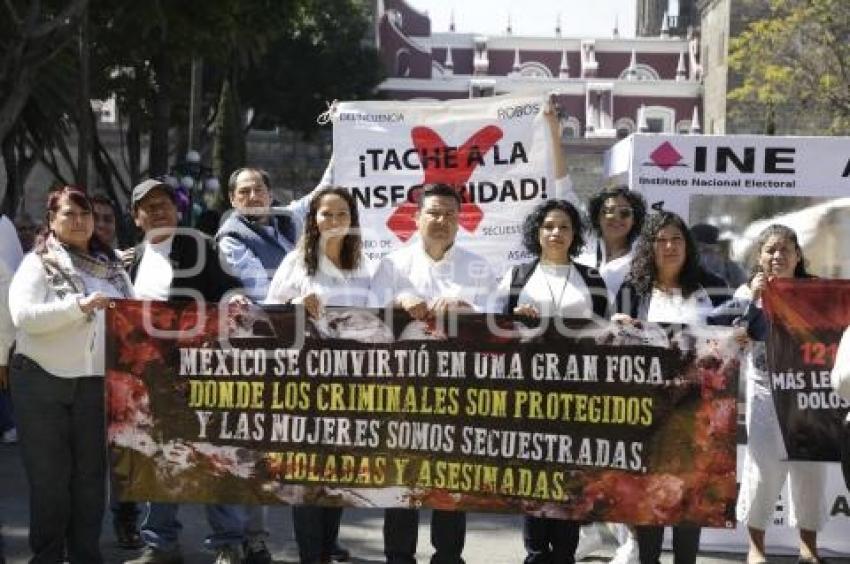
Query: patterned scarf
65,267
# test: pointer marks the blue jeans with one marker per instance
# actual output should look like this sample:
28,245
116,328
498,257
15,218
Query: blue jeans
161,529
63,446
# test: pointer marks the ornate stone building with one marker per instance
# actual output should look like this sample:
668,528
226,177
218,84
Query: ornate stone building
606,87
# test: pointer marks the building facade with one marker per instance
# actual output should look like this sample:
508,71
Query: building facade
605,87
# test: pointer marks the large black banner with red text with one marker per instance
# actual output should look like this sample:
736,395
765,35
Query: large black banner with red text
370,409
808,318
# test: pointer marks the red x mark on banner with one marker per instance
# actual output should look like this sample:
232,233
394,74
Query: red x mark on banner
427,142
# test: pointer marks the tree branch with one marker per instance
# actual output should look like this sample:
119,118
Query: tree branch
65,17
13,14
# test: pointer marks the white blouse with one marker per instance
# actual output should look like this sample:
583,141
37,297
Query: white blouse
672,307
53,331
613,271
335,287
554,290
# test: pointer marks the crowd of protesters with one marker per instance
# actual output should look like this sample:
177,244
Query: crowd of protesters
621,264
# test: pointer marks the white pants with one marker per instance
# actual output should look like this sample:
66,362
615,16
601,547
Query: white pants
766,466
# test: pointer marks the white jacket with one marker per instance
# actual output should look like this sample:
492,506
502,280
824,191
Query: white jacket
840,377
7,328
55,332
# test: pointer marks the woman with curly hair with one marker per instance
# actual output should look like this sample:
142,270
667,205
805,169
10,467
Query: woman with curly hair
326,269
667,285
553,285
766,465
616,218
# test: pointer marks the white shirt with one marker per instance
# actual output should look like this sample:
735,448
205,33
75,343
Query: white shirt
7,328
155,273
10,246
841,371
613,271
334,287
411,272
55,332
10,257
672,307
555,290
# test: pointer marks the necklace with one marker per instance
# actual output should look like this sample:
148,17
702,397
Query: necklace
556,304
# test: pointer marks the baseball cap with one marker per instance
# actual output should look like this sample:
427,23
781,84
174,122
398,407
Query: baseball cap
142,189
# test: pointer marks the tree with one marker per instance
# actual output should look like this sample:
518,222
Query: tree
33,35
277,61
320,57
799,54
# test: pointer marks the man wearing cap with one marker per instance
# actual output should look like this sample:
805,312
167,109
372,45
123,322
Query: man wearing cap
171,263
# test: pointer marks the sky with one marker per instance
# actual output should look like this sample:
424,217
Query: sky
579,18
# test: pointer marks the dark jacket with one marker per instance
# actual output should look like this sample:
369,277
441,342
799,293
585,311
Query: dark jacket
592,278
629,301
197,258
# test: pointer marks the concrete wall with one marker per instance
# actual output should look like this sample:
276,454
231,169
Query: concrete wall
713,55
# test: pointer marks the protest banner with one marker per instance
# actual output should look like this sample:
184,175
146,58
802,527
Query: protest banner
808,318
669,170
720,179
615,424
501,153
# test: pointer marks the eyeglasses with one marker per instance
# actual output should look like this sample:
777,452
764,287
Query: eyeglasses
624,212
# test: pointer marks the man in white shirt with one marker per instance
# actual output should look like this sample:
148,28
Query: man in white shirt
428,277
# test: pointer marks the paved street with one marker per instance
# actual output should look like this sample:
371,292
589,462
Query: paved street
491,538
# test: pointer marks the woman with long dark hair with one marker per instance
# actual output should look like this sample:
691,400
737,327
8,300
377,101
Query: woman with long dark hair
666,284
326,269
616,218
766,465
553,285
57,299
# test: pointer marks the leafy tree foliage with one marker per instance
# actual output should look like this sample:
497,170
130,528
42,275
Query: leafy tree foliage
321,57
799,53
278,61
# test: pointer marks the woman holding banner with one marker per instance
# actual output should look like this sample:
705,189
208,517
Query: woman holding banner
326,269
766,466
553,285
667,285
57,299
616,218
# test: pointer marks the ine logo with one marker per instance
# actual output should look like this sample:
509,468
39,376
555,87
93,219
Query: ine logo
722,159
665,156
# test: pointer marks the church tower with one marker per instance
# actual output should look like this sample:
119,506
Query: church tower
651,13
